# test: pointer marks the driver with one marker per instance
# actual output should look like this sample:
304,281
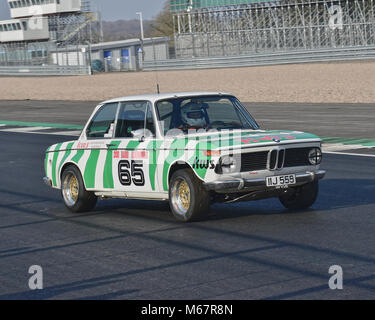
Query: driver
194,115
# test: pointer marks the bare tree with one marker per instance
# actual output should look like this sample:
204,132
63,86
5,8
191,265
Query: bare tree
163,24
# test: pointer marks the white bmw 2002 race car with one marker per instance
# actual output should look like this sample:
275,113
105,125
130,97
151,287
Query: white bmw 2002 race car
189,148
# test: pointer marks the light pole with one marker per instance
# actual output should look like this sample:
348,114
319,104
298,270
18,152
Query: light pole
142,38
141,21
90,56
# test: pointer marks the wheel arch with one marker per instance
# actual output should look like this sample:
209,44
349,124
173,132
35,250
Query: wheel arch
179,165
63,168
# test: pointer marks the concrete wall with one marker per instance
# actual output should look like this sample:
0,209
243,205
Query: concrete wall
156,52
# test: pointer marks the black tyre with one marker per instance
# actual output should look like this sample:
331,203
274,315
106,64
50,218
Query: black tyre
73,191
188,199
303,198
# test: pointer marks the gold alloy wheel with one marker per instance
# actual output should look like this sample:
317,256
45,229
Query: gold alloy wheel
181,196
74,188
70,189
184,195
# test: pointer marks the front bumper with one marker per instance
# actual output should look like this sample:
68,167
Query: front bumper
47,181
236,185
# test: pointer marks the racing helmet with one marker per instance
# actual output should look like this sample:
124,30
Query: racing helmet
194,114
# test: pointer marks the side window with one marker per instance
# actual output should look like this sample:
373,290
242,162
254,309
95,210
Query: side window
132,118
165,110
103,122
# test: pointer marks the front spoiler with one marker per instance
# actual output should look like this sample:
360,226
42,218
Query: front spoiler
244,184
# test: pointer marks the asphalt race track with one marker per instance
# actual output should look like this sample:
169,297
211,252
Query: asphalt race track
325,120
136,250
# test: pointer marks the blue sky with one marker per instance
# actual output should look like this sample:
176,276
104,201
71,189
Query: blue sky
112,9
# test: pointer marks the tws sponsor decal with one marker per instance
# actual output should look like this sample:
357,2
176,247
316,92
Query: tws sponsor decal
203,164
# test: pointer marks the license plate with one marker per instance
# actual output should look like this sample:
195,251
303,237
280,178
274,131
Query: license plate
279,181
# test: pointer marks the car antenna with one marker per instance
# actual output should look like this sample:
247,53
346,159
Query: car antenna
158,88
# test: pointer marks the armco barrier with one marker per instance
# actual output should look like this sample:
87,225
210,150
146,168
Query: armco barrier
261,59
44,70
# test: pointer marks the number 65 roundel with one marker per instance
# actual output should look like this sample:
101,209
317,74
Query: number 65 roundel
131,173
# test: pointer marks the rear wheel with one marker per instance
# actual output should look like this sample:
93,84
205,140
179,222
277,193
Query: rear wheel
303,197
188,199
76,197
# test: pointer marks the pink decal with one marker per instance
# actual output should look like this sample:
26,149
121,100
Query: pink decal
124,154
82,145
139,155
249,140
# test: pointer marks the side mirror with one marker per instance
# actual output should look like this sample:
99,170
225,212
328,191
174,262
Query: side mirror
141,134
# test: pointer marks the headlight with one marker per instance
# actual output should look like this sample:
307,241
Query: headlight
228,164
315,156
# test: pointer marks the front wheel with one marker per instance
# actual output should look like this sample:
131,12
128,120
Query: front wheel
188,199
303,197
76,197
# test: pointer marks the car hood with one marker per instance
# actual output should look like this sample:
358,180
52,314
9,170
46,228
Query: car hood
246,138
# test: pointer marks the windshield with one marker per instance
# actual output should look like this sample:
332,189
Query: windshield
205,112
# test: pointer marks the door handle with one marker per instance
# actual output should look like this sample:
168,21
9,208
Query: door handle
110,145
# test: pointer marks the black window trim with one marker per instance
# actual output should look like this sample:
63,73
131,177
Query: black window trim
92,120
119,103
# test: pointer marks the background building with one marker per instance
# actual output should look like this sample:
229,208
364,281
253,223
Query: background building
68,33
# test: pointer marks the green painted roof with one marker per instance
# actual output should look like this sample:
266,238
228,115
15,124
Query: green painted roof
178,5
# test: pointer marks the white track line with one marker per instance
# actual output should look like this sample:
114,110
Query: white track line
343,147
62,133
25,129
351,154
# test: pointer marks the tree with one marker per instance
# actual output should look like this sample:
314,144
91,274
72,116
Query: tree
163,24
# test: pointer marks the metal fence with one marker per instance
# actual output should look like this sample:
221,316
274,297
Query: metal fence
43,58
304,56
273,27
44,70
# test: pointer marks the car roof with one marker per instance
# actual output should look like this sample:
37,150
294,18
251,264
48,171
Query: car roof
162,96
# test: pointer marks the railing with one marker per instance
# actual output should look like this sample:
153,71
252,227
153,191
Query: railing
262,59
44,70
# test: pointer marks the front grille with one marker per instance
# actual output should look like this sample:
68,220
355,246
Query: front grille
274,159
254,161
297,157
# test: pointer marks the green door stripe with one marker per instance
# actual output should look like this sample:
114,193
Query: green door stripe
132,145
108,182
54,163
66,155
177,149
154,149
78,156
90,169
